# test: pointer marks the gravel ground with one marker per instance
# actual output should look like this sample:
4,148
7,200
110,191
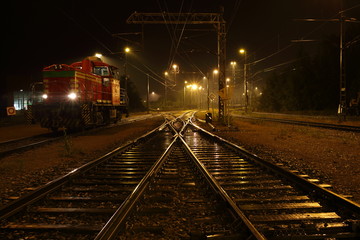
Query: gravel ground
329,155
22,172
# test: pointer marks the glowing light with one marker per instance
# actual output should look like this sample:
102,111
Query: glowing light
98,55
72,96
44,96
242,51
127,50
216,71
194,87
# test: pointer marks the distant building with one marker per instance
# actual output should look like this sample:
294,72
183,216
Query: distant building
21,99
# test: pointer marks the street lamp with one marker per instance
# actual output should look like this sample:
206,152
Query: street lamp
243,52
208,92
215,72
185,82
233,65
165,88
126,50
147,95
175,70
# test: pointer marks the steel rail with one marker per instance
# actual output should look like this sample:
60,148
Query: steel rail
339,201
113,226
18,204
306,123
223,194
25,138
26,147
42,142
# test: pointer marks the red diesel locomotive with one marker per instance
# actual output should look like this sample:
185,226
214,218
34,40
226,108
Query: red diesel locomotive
82,94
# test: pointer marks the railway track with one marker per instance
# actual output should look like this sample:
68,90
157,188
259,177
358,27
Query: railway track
76,205
280,203
181,182
339,127
26,143
178,199
23,144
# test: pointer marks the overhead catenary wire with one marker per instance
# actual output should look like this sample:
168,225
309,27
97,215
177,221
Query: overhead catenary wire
85,30
146,73
234,14
173,36
290,45
108,48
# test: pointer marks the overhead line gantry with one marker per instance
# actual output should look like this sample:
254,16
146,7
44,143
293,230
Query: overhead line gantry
215,19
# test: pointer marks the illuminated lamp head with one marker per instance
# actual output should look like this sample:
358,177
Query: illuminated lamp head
72,96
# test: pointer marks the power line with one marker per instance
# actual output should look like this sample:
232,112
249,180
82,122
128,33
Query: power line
290,45
233,16
351,8
90,34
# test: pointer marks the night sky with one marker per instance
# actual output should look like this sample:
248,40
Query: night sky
41,33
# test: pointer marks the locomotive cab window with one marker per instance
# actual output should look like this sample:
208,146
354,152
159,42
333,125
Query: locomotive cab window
101,70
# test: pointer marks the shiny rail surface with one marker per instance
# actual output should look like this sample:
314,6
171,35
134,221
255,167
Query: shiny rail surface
179,182
26,143
77,205
280,203
339,127
178,199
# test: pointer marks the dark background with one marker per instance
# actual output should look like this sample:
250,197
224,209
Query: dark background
40,33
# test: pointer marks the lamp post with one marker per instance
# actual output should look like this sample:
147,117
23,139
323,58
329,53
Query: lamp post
215,72
243,52
165,88
233,65
208,92
185,82
175,70
147,95
227,85
126,50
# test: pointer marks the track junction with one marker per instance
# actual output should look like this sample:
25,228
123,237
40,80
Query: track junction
180,181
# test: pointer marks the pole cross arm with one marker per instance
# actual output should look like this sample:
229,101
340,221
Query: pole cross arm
174,18
216,19
352,20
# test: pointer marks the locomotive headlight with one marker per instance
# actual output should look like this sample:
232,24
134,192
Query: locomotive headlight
44,96
72,96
